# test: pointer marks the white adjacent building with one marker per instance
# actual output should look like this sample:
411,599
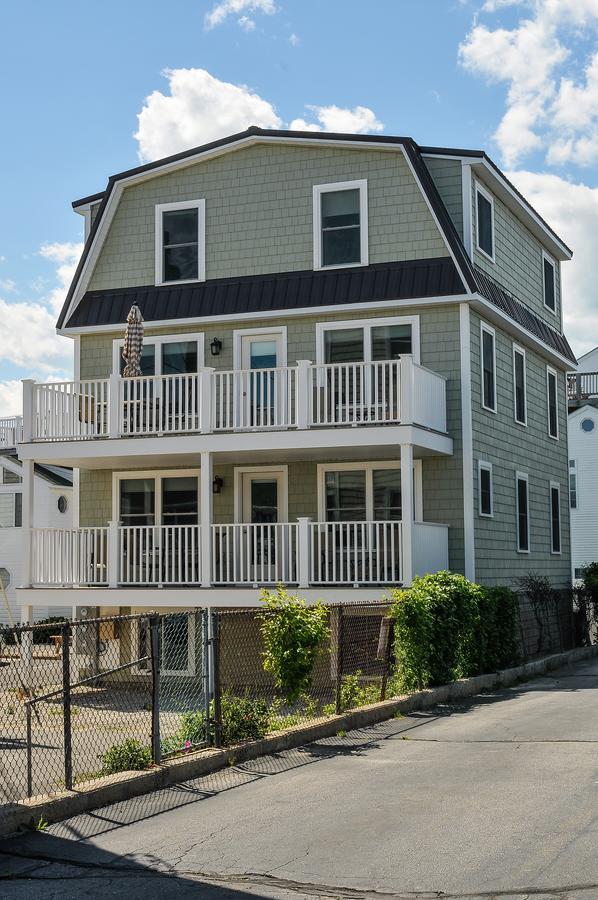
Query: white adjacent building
583,462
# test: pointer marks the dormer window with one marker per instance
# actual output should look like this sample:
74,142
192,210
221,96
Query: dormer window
340,224
180,242
485,222
548,268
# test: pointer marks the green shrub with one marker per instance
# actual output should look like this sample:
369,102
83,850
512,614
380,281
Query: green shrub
130,756
292,632
354,693
243,719
447,628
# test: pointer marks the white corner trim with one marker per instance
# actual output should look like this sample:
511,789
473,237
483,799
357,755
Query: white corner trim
318,189
200,206
466,193
467,434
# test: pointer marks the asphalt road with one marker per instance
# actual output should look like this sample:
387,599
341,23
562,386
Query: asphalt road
495,797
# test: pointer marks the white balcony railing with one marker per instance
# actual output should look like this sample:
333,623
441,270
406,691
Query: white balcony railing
302,396
159,554
254,554
355,552
11,432
303,552
69,556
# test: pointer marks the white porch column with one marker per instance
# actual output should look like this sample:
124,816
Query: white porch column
206,477
113,554
406,389
28,424
407,511
303,551
302,398
27,517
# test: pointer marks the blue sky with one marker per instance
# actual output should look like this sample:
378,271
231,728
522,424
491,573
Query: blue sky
512,76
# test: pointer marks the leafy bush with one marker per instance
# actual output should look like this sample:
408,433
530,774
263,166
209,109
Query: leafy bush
51,626
130,756
354,693
589,576
542,599
243,719
447,628
292,633
279,720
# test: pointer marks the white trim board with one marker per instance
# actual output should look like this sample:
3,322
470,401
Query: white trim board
279,470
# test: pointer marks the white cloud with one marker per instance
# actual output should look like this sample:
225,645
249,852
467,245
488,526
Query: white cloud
66,256
11,398
294,39
221,11
201,108
572,210
246,23
545,106
8,285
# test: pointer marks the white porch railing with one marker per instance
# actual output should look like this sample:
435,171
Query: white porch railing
256,398
11,432
429,548
356,552
302,396
73,556
254,554
159,554
70,410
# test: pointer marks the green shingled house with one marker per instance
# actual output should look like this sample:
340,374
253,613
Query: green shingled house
353,373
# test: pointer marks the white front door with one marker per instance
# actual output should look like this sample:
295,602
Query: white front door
263,398
263,508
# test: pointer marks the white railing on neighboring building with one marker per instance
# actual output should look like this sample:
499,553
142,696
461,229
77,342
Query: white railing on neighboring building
256,398
582,386
159,555
302,396
429,548
356,552
69,556
254,553
11,432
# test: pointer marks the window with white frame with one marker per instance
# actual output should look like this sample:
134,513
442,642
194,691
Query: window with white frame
167,354
169,497
549,282
340,224
180,242
488,357
552,402
573,483
7,476
485,222
11,510
522,505
368,340
365,492
485,490
555,517
519,385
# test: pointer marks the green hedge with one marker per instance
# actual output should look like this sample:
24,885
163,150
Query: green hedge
447,628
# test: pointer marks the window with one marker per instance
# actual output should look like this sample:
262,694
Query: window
168,354
485,493
62,504
555,517
552,403
519,385
368,341
11,510
522,500
485,222
167,498
587,425
488,354
365,492
180,242
572,484
340,224
7,476
548,270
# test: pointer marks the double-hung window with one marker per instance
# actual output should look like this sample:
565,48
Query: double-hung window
519,386
555,517
488,357
552,402
548,277
340,224
522,506
485,222
485,492
573,484
11,510
180,242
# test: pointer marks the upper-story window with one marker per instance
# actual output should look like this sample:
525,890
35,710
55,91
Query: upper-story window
485,222
488,356
180,242
522,504
548,273
552,402
340,224
519,386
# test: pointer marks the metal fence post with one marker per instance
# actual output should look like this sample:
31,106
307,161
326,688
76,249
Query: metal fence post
216,678
205,656
154,625
338,652
29,750
66,701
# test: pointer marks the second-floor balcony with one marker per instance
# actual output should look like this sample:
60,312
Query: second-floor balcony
305,396
582,386
11,432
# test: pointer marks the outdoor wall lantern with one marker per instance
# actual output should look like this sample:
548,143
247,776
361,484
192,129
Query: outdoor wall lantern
216,347
217,484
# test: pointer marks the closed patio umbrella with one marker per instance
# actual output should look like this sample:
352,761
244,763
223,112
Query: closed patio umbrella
133,344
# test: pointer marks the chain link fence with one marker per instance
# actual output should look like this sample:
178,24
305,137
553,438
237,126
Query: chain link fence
83,699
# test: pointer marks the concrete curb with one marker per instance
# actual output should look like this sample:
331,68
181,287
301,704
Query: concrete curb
126,785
